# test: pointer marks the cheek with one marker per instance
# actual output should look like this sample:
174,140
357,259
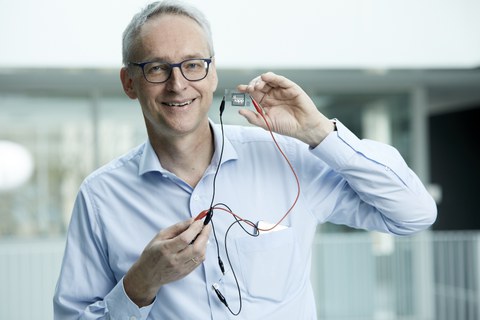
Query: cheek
148,104
210,88
146,93
214,81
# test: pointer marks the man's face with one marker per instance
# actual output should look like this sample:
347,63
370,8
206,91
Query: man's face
177,107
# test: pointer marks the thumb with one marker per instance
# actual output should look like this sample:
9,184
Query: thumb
174,230
252,117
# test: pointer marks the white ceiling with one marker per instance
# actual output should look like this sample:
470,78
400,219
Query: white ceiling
355,34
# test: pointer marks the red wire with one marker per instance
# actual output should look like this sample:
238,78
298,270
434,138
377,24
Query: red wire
260,111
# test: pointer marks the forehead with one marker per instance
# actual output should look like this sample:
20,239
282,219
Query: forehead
172,37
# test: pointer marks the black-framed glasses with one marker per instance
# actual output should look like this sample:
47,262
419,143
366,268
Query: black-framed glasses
159,72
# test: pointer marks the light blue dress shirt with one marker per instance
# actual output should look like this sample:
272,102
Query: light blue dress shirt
123,205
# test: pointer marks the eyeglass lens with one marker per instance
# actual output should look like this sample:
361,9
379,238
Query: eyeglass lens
194,69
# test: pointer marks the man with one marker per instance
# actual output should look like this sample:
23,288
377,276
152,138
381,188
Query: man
134,250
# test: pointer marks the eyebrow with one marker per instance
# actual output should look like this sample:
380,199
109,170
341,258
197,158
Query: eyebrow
186,57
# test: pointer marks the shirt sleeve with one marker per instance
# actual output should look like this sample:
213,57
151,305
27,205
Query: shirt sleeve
371,186
87,288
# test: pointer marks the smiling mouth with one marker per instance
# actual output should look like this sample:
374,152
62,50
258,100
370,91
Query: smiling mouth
178,104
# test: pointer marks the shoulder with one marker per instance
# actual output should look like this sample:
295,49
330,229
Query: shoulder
125,164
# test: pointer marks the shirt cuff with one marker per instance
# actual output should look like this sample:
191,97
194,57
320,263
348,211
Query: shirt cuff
335,154
121,307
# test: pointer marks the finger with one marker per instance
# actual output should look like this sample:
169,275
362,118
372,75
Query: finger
202,238
183,240
275,81
256,84
252,117
265,83
195,260
242,87
258,92
196,252
174,230
254,81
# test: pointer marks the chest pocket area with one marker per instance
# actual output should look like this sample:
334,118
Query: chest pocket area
270,264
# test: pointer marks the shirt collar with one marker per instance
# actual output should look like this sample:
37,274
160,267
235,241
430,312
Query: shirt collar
149,161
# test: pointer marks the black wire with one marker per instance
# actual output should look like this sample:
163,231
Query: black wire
220,263
254,234
237,221
230,262
216,243
222,106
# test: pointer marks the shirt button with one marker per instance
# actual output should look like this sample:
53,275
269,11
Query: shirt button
387,168
196,197
133,318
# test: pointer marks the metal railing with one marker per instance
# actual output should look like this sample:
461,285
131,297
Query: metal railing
368,276
28,274
356,276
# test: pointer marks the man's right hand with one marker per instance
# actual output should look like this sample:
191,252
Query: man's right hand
170,256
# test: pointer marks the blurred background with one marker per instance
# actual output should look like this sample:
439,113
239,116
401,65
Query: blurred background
402,72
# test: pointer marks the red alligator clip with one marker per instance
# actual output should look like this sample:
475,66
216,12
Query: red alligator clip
256,105
201,215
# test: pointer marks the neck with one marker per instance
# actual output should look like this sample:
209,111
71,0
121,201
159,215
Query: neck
187,156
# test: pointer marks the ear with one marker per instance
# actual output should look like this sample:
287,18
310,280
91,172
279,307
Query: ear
127,83
213,72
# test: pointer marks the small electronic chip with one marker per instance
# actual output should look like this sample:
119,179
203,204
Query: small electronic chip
238,99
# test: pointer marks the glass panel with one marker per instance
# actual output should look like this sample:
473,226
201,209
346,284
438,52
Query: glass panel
68,138
120,127
361,112
382,117
58,134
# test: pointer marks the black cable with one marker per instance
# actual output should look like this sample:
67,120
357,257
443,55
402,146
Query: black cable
239,221
209,218
220,262
222,107
255,234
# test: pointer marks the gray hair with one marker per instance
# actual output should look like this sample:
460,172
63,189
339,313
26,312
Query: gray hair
159,8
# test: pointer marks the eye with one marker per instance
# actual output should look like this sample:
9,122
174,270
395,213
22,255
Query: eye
192,65
157,67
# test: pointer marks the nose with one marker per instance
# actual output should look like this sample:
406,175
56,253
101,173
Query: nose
176,82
